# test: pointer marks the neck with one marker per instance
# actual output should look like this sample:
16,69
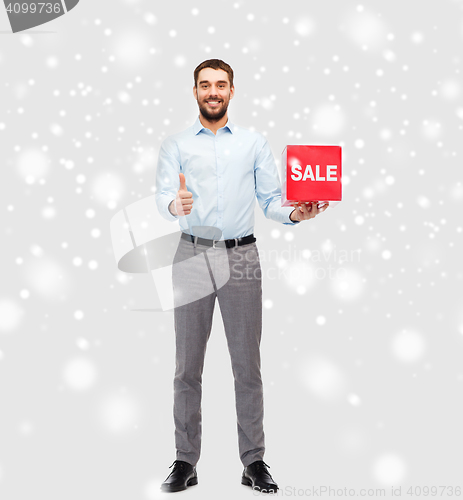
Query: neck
215,125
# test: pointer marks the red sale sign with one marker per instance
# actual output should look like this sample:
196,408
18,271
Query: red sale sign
311,173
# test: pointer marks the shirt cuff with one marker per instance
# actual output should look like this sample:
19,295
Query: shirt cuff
163,201
293,221
168,209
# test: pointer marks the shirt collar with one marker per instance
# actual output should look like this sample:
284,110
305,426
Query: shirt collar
198,126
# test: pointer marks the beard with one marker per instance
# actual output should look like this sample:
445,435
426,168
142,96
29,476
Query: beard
213,115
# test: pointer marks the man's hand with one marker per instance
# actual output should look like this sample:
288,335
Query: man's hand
305,211
183,202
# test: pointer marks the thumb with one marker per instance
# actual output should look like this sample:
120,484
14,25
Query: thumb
182,182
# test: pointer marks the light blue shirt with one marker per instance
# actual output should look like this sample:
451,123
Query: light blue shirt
225,172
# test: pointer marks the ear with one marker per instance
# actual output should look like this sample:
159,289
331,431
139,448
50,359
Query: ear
195,93
232,92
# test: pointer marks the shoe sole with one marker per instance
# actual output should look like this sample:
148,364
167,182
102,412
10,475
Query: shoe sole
247,482
191,482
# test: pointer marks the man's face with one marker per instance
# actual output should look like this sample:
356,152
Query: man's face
213,93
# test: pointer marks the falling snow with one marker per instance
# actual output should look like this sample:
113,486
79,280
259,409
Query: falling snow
362,332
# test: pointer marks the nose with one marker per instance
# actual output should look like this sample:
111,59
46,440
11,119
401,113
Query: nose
214,90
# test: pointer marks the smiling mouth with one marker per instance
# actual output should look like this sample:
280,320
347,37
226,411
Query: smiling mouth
213,103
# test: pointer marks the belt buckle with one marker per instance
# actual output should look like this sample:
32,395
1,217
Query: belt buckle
213,243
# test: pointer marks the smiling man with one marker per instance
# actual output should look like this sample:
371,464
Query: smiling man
213,108
208,178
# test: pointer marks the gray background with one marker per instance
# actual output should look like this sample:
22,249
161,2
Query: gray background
362,368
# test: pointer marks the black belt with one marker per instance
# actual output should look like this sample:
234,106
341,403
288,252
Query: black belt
220,243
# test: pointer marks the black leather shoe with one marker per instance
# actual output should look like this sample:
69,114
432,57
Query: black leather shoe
182,476
258,477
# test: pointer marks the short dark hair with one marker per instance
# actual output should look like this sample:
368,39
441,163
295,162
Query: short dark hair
214,64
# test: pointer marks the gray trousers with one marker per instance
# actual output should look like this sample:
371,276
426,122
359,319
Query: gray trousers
233,275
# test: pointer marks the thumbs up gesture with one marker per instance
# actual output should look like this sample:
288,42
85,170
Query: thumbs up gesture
184,199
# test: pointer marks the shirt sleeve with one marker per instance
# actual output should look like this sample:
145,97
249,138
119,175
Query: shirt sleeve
167,180
268,186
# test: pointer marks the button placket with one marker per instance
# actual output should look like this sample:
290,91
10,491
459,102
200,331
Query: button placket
219,182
